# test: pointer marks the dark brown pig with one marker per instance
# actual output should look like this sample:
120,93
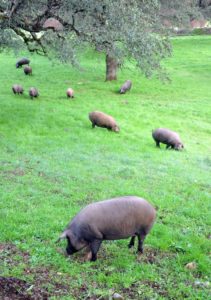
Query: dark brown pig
27,70
33,92
17,89
113,219
101,119
168,137
22,61
125,87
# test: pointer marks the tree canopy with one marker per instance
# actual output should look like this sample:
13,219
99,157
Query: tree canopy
122,29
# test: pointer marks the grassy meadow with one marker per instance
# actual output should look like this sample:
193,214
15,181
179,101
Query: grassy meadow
52,163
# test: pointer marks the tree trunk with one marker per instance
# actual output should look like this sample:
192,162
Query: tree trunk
111,68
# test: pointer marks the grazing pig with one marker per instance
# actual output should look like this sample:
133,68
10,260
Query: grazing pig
70,93
22,61
113,219
125,87
100,119
17,89
33,92
27,70
168,137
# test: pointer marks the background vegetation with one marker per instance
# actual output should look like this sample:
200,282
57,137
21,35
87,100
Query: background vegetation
53,163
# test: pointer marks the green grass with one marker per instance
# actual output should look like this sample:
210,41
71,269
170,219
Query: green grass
52,163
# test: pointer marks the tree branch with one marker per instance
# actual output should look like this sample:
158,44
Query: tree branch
14,6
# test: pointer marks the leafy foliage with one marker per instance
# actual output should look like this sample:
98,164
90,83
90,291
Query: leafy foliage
178,12
122,29
9,39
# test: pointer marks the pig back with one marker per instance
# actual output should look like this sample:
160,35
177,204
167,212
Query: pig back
117,218
165,135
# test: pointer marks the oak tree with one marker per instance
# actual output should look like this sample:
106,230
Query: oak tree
122,29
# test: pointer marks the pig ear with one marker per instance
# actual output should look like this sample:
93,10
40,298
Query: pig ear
62,236
68,234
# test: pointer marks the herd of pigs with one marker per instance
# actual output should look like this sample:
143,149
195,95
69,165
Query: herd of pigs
112,219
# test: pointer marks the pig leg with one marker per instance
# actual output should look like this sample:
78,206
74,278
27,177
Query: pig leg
141,238
157,144
94,247
132,242
168,146
93,125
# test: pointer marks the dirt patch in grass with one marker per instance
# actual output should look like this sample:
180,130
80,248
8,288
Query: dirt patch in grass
138,290
156,287
11,255
154,256
12,173
52,283
44,281
43,286
14,288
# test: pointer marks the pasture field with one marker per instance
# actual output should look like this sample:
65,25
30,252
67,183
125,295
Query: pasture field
52,163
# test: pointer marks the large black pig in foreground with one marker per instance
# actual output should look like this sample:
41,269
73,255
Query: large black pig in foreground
112,219
168,137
